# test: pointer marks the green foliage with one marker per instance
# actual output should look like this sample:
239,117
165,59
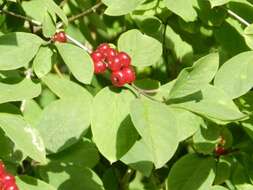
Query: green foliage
185,123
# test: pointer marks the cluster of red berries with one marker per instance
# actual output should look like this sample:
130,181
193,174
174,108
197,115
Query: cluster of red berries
59,37
119,63
7,181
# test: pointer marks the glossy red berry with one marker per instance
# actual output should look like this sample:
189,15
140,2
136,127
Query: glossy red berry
97,56
220,151
118,79
8,179
99,67
12,187
2,169
103,48
114,63
129,74
110,54
60,37
125,59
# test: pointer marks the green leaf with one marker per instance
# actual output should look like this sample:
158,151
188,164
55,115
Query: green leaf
65,88
111,126
248,32
83,153
42,62
217,187
27,182
194,78
48,25
35,9
53,7
156,124
206,139
234,76
14,49
183,8
180,48
32,112
215,3
144,50
140,158
67,177
244,187
26,89
63,122
78,61
9,151
187,123
118,7
192,172
26,138
223,170
220,108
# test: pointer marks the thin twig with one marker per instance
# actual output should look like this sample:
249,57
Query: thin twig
92,9
85,12
79,44
240,19
37,23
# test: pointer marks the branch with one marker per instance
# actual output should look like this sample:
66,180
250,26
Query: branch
92,9
75,17
79,44
37,23
240,19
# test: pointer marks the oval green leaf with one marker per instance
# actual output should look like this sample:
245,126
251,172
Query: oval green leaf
13,49
78,61
156,124
144,50
111,126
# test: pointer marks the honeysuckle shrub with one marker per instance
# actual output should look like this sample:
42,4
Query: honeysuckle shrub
173,112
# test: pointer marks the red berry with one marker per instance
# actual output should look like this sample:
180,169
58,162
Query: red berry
115,63
99,67
110,54
125,59
59,37
220,151
103,48
118,78
129,74
2,170
97,56
8,178
12,187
